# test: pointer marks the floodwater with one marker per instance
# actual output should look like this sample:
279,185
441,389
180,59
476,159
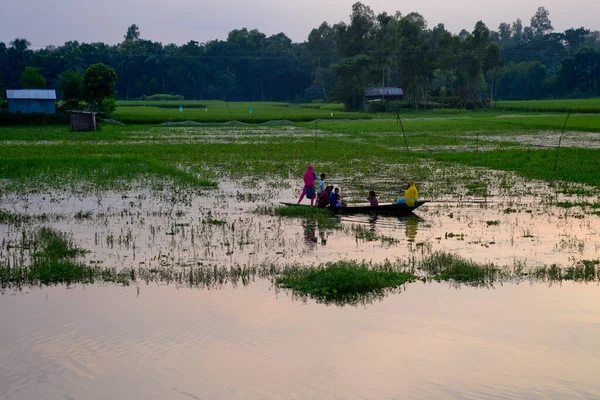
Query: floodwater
431,340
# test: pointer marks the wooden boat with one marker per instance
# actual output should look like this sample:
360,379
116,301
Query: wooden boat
390,209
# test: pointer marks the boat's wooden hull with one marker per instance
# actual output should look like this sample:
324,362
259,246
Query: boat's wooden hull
391,209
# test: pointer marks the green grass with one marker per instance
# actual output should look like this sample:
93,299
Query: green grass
577,105
574,164
312,215
483,122
24,170
345,282
212,221
34,159
155,112
371,235
302,211
51,258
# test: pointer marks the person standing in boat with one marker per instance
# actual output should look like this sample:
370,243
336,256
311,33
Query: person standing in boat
309,185
411,195
321,187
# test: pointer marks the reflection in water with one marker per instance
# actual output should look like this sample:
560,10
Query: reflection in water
309,227
373,220
410,223
521,342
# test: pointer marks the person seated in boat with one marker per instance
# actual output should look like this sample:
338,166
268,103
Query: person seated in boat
335,200
411,195
373,199
323,200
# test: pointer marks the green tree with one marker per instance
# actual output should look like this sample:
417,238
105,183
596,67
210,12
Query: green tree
70,85
98,84
581,73
575,38
416,61
540,23
133,33
353,76
32,79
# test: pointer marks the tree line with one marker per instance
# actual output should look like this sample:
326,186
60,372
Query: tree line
335,63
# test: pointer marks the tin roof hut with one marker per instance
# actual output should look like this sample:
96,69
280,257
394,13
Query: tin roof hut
29,101
384,93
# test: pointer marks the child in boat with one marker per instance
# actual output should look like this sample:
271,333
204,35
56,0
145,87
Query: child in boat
321,186
373,198
323,200
309,185
411,195
335,200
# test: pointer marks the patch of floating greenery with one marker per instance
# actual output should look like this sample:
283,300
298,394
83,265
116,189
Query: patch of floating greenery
9,217
450,267
83,214
17,219
371,235
343,282
212,221
54,259
322,216
569,204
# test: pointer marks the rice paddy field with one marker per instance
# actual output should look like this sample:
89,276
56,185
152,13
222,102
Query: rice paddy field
562,105
156,261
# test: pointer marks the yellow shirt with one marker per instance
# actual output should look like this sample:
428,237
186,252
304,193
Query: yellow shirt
411,195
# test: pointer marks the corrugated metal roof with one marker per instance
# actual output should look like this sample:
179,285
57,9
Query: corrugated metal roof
28,94
384,91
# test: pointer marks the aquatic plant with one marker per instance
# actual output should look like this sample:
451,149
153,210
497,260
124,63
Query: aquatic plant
341,282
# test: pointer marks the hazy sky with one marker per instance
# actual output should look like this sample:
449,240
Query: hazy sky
45,22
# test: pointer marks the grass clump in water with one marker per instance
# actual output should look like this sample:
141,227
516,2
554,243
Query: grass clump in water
451,267
314,214
301,211
370,235
213,221
342,282
53,260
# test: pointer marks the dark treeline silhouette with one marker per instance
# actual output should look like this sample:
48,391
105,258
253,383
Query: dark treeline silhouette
337,62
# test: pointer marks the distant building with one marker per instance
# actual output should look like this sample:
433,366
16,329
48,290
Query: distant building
30,101
383,93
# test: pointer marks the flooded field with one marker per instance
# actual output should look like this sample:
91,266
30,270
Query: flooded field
170,332
228,227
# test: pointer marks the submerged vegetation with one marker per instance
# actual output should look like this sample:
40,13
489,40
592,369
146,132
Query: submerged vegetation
49,257
343,282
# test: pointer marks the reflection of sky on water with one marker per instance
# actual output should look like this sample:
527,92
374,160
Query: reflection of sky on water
430,341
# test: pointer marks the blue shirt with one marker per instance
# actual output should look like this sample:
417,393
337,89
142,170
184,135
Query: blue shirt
333,200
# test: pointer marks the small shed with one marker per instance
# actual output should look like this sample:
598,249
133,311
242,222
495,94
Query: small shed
384,93
83,121
29,101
